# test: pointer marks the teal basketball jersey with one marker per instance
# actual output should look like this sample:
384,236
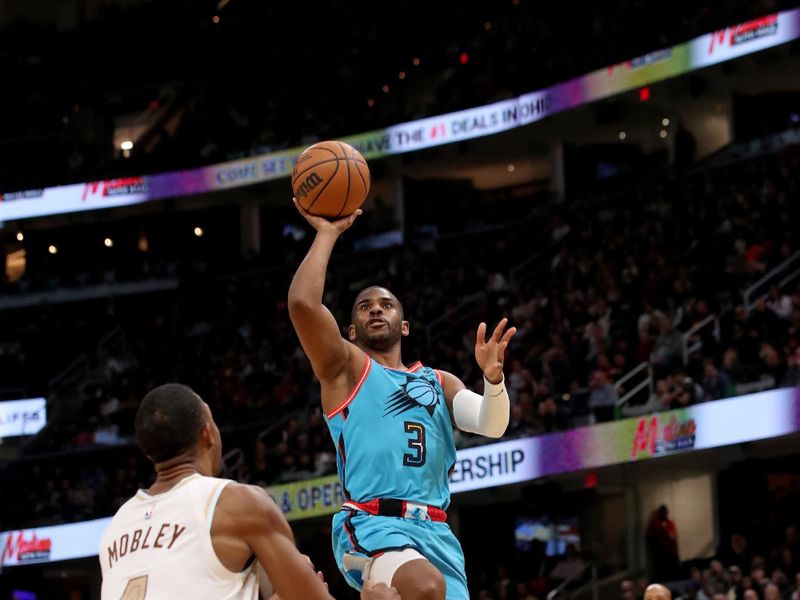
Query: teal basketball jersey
394,437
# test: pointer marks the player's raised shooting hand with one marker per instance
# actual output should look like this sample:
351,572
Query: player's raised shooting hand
490,355
323,225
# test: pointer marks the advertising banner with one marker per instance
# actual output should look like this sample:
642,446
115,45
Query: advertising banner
744,38
22,417
310,498
698,427
715,424
51,544
713,48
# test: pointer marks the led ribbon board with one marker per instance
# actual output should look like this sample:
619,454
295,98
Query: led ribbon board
710,49
715,424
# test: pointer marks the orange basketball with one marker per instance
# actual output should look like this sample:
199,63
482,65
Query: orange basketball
330,179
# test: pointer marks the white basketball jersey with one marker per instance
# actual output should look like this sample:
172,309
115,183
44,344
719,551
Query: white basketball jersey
159,548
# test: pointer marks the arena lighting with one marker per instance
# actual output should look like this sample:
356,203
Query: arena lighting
52,249
20,236
644,94
402,75
198,231
463,58
108,242
665,121
511,168
370,102
415,62
622,135
126,145
215,19
385,89
717,47
662,134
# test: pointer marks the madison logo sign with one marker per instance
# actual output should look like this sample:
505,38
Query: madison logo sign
654,436
17,549
744,32
115,187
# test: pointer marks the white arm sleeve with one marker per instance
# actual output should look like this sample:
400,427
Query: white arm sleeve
487,415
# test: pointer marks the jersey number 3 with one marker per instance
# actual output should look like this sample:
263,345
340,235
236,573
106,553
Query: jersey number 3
416,443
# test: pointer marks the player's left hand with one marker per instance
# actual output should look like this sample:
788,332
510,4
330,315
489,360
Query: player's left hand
320,575
490,355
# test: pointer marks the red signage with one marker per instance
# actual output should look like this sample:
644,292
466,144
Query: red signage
115,187
652,437
20,550
744,32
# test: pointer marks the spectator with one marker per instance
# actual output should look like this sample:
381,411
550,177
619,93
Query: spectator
779,303
523,593
603,396
659,400
685,391
796,591
735,589
771,366
662,544
750,594
735,551
716,384
791,378
771,591
627,590
570,566
732,366
668,347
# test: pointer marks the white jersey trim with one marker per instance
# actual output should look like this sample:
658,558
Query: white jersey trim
211,506
143,495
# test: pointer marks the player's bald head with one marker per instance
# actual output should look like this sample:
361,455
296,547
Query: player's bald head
375,291
656,591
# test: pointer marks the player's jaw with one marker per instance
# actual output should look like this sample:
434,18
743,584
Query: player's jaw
377,333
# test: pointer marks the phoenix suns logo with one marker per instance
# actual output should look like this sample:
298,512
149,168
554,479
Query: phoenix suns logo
414,392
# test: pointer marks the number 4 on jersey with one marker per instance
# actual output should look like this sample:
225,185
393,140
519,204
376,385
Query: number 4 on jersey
136,589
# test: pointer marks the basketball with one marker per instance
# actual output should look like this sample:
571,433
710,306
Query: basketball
330,179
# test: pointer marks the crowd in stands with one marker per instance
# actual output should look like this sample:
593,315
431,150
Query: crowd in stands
213,85
616,282
622,281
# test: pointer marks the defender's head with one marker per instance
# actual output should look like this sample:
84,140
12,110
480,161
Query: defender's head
172,421
377,319
656,591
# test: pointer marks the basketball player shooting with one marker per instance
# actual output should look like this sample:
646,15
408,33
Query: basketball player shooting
392,426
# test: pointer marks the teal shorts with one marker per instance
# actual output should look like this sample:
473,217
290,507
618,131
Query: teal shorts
368,535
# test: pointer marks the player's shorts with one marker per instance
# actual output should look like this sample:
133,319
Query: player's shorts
363,534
